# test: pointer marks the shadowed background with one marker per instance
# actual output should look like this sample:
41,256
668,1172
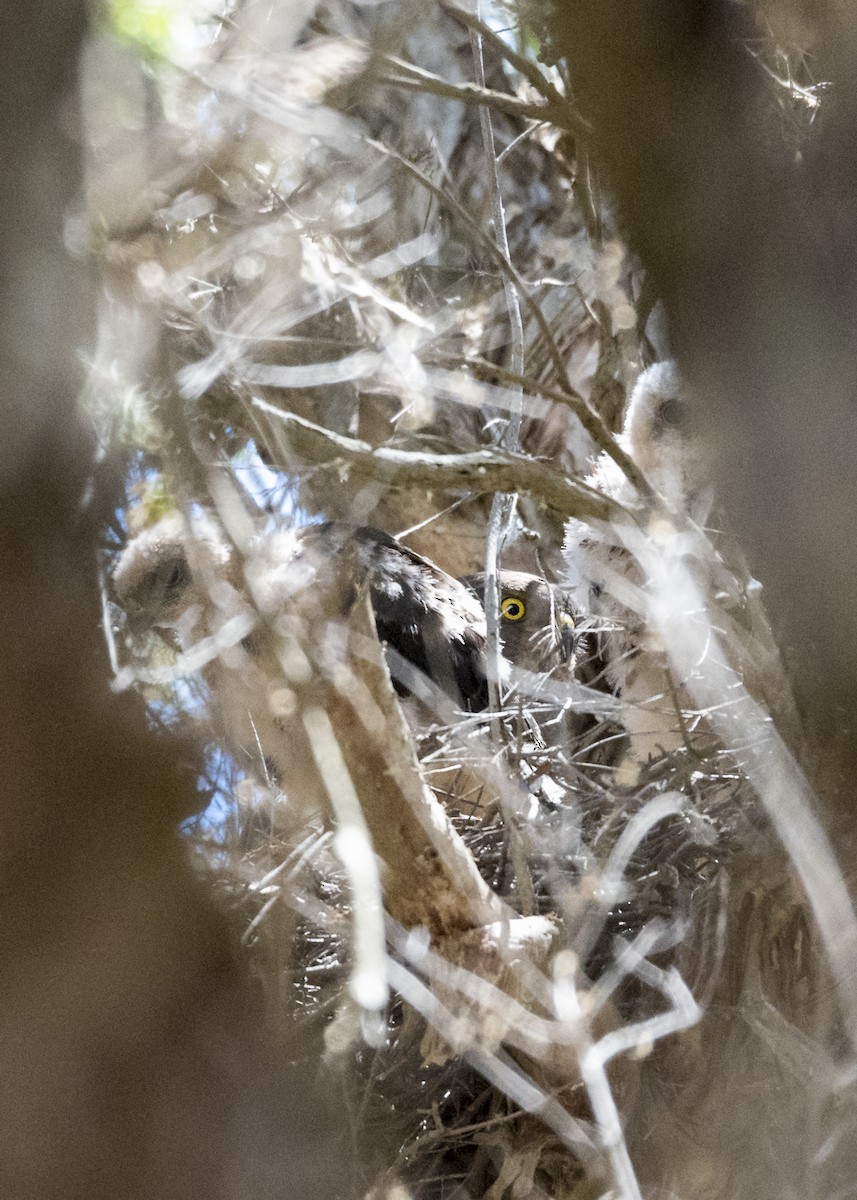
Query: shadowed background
748,229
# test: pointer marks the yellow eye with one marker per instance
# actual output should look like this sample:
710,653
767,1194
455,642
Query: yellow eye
513,609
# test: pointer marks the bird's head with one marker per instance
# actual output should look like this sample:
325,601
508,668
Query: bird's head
536,620
661,433
154,579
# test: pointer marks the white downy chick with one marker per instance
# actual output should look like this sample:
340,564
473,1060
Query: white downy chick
182,578
658,435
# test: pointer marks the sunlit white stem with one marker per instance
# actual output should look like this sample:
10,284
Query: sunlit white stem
353,845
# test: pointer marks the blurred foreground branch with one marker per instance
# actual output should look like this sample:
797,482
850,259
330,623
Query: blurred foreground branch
129,1063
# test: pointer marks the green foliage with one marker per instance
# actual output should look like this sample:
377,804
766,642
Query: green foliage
153,500
148,24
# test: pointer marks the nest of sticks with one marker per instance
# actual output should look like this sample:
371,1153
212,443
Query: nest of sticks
358,267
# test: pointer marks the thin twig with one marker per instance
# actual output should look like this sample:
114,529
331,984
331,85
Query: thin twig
511,436
107,624
502,506
436,516
461,214
415,79
571,118
521,137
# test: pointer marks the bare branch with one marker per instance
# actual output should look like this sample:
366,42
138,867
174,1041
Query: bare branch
585,413
475,470
415,79
571,118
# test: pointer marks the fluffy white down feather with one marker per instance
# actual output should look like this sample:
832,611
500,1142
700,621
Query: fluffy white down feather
606,578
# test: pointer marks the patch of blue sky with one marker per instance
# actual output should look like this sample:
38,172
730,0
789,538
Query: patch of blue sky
215,828
272,491
498,18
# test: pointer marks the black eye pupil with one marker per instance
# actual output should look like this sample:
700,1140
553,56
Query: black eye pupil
671,412
176,580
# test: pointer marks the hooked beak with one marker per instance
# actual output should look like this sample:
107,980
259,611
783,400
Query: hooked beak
566,636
